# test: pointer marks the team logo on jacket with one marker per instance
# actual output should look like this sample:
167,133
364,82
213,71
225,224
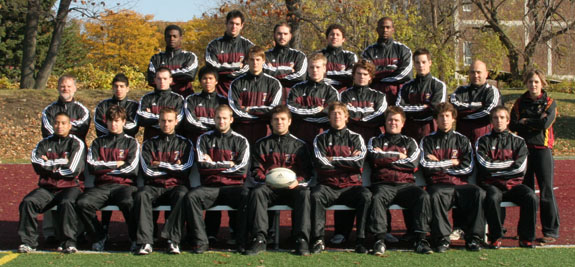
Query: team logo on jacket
427,96
288,159
454,154
121,154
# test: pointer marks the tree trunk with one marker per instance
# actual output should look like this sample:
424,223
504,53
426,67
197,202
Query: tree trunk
59,23
294,18
29,45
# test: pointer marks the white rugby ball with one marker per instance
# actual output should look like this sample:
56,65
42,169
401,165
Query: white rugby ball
280,178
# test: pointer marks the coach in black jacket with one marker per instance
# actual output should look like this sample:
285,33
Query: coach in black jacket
58,159
114,160
121,87
183,64
447,162
166,160
502,162
339,156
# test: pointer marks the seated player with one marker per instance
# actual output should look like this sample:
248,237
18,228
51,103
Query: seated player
393,158
223,157
152,103
58,159
308,101
502,162
280,149
114,161
121,87
447,162
166,160
339,156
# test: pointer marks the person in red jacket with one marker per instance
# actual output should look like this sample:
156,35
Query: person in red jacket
502,161
447,162
58,159
393,158
532,117
339,157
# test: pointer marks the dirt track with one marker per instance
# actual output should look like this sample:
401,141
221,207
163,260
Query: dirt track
19,179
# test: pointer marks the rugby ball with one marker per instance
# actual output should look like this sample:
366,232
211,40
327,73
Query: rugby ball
280,178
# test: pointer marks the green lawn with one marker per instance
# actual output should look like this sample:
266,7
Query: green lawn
503,257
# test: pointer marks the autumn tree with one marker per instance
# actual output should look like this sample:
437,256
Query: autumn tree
124,38
543,20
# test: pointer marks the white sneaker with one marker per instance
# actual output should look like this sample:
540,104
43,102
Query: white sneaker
173,247
389,238
25,249
145,249
337,239
99,245
70,250
457,234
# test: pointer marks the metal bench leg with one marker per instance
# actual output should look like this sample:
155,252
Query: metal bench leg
277,226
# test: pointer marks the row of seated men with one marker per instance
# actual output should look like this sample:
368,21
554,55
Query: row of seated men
222,158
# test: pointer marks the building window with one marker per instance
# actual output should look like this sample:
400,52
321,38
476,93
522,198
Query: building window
466,5
467,55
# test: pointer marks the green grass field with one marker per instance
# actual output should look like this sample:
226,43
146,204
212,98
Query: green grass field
503,257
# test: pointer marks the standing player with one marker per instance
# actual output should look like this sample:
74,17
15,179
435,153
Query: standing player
339,156
418,97
58,159
502,161
121,87
152,103
308,101
474,102
393,159
223,157
339,61
532,116
78,113
228,54
200,107
182,64
280,149
114,160
166,160
447,162
252,97
392,60
284,63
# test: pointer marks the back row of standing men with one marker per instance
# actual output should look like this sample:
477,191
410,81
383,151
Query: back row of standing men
253,94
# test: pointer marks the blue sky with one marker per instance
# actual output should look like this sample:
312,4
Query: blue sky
174,10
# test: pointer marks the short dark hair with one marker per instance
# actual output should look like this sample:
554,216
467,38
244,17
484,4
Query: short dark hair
393,110
121,77
364,64
281,109
384,19
168,110
62,113
164,69
335,27
445,107
235,14
208,70
257,51
116,112
284,24
173,27
422,51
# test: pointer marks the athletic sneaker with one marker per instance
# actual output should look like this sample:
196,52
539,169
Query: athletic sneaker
99,245
526,244
442,246
173,247
360,248
547,239
25,249
258,245
379,248
337,239
200,249
422,247
389,238
70,250
317,247
145,249
301,247
456,234
473,245
496,244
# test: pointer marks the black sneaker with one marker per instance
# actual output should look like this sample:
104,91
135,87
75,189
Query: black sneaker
379,248
473,245
442,246
200,249
360,248
317,247
301,247
258,245
422,247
